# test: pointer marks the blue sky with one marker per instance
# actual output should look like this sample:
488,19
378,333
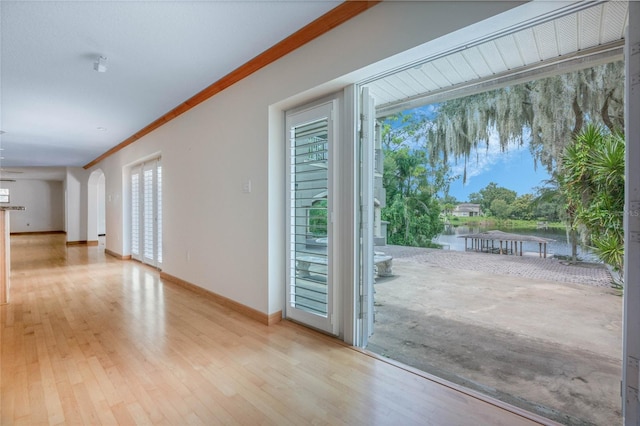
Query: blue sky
513,169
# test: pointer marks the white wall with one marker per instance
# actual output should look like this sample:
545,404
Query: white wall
44,203
75,187
102,224
235,240
95,208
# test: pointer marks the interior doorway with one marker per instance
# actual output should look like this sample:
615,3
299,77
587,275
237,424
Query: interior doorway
96,209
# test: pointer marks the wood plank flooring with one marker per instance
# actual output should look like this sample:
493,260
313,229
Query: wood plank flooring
88,339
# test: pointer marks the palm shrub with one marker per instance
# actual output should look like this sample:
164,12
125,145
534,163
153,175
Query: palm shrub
592,181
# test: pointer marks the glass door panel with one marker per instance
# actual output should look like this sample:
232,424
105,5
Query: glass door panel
309,275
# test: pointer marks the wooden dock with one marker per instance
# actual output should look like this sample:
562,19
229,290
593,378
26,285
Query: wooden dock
500,242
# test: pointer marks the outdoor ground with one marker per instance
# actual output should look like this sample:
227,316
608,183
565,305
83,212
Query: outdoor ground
536,333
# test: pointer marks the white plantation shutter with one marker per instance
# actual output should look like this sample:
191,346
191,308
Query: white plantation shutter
310,286
146,213
309,185
135,213
159,212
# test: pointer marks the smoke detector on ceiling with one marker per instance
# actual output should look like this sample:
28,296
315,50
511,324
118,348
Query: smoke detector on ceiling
100,65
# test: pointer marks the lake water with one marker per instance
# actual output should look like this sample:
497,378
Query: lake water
450,240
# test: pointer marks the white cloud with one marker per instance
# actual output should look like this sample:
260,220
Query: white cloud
487,158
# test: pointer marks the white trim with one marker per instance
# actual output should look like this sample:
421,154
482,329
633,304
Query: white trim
350,231
631,316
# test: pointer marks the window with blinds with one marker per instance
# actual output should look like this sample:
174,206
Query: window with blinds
309,239
135,214
146,212
159,211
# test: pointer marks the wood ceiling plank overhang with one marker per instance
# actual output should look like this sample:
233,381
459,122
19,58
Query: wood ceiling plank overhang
567,63
335,17
582,35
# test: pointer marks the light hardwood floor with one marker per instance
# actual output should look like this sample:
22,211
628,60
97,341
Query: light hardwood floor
88,339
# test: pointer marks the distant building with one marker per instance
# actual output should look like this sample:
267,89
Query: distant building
467,210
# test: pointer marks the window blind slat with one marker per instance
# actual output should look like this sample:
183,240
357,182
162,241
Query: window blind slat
309,162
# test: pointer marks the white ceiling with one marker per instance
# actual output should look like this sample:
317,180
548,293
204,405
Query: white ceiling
159,54
37,173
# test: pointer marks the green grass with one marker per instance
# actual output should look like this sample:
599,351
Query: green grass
502,223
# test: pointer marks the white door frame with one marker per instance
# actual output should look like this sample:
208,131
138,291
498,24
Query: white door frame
366,207
631,316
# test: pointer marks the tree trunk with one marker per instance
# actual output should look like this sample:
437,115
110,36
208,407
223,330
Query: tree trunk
573,239
604,112
406,223
579,116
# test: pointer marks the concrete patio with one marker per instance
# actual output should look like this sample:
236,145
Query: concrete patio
536,333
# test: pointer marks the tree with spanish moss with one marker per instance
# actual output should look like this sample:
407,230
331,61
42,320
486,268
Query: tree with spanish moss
548,112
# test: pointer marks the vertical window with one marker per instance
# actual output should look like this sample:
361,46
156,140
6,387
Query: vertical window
309,181
135,213
146,212
310,286
159,210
